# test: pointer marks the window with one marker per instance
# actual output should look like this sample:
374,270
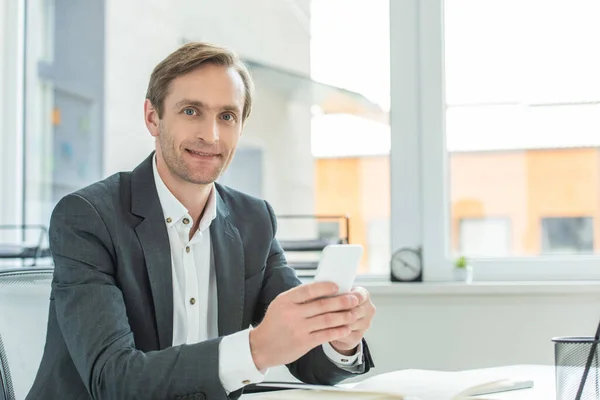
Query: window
328,156
497,121
568,235
64,98
521,121
318,141
351,144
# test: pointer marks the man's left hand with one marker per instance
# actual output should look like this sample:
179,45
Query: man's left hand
366,311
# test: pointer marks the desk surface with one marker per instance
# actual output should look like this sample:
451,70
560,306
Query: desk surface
542,376
543,382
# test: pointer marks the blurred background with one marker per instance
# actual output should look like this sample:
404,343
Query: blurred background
457,127
317,143
520,113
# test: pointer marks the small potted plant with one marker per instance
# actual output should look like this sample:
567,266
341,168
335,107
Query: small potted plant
463,272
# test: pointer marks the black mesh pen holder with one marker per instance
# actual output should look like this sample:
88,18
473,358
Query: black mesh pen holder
577,368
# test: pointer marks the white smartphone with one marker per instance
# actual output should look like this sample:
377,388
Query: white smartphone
339,264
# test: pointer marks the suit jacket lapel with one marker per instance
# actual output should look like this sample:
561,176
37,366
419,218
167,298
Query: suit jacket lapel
228,255
153,236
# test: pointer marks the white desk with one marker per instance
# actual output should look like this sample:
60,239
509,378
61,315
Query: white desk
542,375
543,382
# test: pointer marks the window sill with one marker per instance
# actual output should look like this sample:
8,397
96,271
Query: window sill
385,288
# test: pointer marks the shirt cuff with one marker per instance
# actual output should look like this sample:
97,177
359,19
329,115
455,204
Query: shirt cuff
348,363
236,365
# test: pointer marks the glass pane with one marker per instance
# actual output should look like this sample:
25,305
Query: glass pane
64,97
316,145
350,146
522,123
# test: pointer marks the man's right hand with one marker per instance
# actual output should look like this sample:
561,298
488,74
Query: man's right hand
299,320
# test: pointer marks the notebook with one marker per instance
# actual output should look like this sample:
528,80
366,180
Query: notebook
410,384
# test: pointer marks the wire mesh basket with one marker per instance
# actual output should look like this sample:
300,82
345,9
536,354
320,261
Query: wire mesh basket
577,368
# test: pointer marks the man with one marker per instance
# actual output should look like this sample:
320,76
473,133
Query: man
168,285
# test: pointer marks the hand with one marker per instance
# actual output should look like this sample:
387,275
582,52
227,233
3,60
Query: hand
299,320
365,310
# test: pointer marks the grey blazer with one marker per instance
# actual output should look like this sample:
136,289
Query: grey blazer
110,323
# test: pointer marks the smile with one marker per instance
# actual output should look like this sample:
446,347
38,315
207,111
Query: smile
201,154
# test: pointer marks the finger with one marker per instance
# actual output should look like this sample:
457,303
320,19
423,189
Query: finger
361,325
329,304
311,291
331,320
361,294
329,335
362,311
367,309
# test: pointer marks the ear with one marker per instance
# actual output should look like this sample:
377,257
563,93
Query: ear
151,118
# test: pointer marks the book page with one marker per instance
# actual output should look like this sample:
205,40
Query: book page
426,385
404,384
327,392
322,395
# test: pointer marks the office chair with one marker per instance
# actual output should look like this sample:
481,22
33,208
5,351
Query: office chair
23,251
24,301
6,389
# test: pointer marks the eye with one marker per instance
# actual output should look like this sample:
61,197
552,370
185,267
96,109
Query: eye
229,117
189,111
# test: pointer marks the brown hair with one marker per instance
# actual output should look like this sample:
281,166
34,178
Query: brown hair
189,57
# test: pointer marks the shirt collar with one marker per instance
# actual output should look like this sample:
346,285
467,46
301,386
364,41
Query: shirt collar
172,208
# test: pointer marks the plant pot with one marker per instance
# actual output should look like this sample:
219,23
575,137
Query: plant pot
464,274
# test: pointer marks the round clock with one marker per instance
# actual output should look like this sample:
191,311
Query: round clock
406,265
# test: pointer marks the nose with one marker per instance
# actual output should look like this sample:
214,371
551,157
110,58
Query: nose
209,132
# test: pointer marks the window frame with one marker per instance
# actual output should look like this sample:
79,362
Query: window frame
420,214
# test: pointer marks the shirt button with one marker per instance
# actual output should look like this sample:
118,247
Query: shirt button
169,220
187,249
186,221
192,301
246,382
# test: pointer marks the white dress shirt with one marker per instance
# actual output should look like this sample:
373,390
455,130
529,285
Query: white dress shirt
195,308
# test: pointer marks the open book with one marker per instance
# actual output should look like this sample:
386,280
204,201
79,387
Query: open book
406,385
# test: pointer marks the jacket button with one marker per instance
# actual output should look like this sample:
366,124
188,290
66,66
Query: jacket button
192,301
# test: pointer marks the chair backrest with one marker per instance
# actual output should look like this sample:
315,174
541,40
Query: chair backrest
6,389
24,300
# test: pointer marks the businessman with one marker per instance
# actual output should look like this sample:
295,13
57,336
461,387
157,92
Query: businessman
168,285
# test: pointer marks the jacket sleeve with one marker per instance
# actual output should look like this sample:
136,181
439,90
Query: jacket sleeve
92,318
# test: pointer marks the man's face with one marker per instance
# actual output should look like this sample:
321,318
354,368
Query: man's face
201,123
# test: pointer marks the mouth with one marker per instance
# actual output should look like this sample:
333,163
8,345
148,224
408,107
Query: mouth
202,154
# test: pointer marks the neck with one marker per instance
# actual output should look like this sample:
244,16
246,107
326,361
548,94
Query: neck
193,196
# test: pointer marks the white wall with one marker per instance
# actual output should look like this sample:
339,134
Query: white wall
10,134
4,126
463,330
141,33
